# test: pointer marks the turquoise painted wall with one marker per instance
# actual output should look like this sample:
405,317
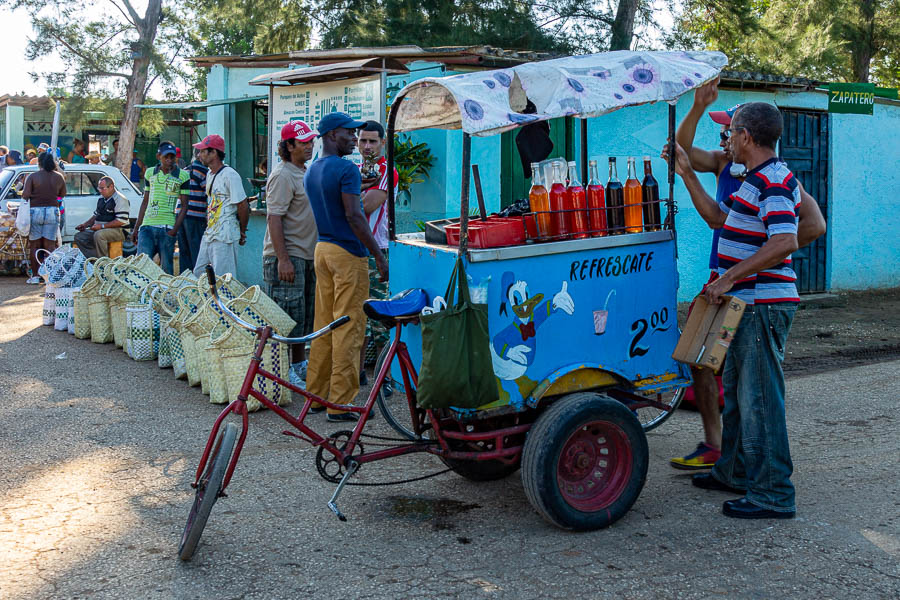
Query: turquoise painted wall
15,128
863,172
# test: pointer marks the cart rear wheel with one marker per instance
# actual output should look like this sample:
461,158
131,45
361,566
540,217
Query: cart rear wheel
585,462
394,407
652,417
208,489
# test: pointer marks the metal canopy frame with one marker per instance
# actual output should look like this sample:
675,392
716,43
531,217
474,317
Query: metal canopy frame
332,72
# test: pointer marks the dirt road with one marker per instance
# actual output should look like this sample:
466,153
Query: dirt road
99,452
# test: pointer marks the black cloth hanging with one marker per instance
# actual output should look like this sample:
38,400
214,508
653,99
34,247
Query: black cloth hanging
533,141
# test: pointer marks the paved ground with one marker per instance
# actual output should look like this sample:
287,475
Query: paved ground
99,451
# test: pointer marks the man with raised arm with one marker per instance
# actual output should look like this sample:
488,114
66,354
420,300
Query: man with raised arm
759,234
729,177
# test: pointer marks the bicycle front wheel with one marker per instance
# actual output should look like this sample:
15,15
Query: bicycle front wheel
208,489
393,402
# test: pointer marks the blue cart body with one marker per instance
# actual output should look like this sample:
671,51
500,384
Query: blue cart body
563,316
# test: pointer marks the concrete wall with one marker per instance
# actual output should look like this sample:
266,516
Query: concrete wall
15,128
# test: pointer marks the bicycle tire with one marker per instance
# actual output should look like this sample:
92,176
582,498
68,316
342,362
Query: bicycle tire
395,407
651,417
208,489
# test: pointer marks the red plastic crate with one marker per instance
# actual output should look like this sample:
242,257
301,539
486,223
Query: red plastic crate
493,233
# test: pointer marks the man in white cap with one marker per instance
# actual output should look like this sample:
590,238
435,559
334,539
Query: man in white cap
289,274
227,210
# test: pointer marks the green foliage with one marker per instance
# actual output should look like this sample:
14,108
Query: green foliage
412,161
830,40
501,23
97,42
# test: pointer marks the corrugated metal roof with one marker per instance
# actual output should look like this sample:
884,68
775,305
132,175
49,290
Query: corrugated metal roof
201,104
35,102
766,80
487,56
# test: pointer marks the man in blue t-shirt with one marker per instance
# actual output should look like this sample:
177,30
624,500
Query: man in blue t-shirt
342,277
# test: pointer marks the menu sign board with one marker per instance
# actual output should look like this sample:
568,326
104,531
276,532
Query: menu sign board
361,98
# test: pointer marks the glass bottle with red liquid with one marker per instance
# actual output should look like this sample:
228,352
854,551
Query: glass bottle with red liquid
633,217
576,202
650,195
615,200
559,220
539,201
596,201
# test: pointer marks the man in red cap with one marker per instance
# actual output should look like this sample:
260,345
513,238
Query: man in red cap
289,274
729,178
227,211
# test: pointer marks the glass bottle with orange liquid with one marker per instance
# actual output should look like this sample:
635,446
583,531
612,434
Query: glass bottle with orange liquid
633,217
539,201
650,195
576,202
596,201
615,200
559,220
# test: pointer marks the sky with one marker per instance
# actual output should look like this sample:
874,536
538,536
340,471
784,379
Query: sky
14,78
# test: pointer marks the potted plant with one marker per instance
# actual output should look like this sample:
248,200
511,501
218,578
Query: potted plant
413,163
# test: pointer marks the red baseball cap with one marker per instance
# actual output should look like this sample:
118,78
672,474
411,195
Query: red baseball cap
211,141
723,117
297,130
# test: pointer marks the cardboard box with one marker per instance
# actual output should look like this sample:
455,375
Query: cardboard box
709,331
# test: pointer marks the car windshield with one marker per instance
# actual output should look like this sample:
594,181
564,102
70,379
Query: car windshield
5,176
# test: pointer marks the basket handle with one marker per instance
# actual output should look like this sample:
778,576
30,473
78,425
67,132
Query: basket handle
37,255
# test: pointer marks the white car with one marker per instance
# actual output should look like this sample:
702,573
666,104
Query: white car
81,191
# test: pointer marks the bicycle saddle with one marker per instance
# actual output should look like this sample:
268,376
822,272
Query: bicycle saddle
407,303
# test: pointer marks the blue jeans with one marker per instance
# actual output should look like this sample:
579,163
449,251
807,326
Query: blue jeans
156,240
756,455
189,237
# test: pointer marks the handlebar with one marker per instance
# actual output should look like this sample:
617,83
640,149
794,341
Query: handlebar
211,278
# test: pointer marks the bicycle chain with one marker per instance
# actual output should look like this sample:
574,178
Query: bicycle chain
322,462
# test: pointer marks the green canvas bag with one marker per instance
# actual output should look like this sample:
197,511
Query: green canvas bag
456,357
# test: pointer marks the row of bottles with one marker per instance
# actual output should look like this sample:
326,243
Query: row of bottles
567,211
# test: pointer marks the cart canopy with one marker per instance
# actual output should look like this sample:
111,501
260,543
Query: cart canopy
486,103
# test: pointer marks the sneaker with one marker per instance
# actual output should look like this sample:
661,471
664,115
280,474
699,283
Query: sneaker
387,389
33,280
343,417
297,375
704,457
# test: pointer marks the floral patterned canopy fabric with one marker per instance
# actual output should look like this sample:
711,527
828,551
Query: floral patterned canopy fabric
489,102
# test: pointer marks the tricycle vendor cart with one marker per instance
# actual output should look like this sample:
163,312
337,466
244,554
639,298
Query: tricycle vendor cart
581,330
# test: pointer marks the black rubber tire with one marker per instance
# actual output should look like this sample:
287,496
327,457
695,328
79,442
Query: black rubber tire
651,417
394,407
546,440
208,490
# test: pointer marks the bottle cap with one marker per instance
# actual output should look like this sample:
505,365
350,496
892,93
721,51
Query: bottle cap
612,159
571,163
592,162
646,158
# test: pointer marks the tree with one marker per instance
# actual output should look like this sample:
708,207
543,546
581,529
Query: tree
109,49
501,23
832,40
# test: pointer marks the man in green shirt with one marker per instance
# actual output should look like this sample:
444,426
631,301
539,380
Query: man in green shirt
155,230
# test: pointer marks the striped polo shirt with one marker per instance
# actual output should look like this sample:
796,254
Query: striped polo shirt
765,205
196,191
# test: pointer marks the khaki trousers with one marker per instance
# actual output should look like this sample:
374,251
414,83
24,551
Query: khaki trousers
342,285
96,243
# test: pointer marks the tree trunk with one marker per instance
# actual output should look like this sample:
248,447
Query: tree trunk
862,49
137,83
623,26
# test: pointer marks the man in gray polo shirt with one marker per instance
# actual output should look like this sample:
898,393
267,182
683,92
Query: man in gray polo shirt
289,276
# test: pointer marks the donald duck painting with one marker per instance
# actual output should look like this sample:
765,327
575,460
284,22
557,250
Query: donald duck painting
514,348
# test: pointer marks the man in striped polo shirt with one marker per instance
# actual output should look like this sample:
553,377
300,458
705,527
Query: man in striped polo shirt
192,215
759,234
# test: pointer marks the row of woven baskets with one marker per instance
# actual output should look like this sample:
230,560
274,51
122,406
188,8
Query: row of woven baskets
174,321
